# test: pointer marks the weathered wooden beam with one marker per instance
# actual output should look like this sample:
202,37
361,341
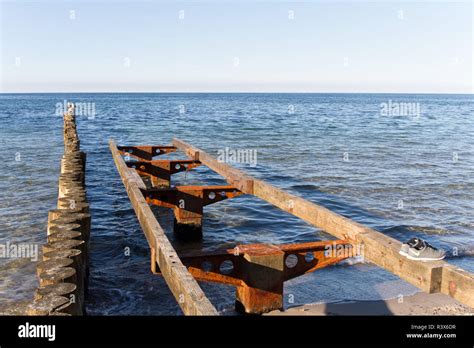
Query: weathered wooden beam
184,287
379,249
458,284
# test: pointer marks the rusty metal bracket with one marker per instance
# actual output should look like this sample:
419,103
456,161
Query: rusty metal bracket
160,171
188,204
190,198
145,152
258,271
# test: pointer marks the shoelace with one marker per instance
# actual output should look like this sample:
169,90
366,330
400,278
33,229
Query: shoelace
423,245
413,242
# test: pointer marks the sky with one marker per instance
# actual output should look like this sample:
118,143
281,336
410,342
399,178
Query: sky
236,46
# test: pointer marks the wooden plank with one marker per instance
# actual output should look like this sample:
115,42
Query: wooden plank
379,249
184,287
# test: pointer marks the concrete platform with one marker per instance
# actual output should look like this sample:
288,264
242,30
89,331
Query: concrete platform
418,304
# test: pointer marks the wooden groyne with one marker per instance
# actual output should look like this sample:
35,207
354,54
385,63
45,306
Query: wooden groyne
258,271
63,271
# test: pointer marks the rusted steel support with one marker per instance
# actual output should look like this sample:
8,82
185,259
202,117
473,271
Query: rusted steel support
187,203
263,270
145,152
160,171
258,271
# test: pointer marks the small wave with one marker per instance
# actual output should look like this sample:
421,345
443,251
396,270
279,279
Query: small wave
429,230
304,187
414,230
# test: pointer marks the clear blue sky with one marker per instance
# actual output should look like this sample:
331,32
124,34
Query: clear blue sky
349,46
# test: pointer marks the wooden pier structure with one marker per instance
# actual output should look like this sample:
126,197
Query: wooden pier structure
258,271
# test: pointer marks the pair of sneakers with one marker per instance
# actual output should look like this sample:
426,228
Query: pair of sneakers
421,250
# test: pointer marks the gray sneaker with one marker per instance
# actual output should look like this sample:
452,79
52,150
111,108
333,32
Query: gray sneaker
410,244
423,251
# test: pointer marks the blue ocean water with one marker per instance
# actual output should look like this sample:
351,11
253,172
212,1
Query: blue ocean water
403,175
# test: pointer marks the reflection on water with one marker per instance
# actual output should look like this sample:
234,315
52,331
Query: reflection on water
402,175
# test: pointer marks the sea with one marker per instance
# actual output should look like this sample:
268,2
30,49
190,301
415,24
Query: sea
401,164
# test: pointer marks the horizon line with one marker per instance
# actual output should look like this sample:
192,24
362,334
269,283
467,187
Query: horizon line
234,92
